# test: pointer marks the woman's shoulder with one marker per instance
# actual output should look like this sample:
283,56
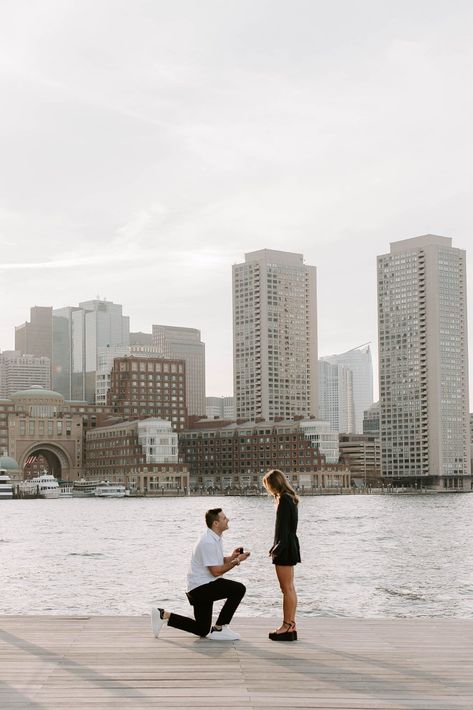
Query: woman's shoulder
287,499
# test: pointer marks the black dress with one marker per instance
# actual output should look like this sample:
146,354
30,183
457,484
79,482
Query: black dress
285,549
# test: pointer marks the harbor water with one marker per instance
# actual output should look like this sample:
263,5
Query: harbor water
362,556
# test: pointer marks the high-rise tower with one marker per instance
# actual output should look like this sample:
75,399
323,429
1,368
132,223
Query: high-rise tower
423,362
359,361
36,336
78,335
336,402
275,336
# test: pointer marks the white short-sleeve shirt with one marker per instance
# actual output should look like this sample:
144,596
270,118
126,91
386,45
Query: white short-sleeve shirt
207,552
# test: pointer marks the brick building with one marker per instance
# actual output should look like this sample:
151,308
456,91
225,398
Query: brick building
224,455
142,387
7,407
141,454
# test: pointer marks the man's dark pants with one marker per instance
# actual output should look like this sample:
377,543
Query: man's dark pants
202,599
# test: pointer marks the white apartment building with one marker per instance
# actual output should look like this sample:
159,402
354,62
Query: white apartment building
359,361
221,407
275,336
158,441
20,372
173,342
336,403
322,437
423,362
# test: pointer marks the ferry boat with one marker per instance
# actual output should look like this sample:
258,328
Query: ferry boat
66,490
44,485
110,490
6,488
83,488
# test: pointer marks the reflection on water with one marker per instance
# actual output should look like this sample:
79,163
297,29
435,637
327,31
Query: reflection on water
368,556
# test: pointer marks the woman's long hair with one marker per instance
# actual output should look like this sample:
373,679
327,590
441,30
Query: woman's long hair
276,484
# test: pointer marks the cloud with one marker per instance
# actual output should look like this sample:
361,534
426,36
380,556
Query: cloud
146,147
67,262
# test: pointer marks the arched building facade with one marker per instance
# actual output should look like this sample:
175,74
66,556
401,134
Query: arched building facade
42,425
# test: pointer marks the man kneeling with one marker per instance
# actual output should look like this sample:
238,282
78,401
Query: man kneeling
205,585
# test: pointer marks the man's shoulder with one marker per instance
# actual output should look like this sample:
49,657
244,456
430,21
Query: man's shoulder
204,538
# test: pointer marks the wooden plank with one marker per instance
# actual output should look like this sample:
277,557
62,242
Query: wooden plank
50,663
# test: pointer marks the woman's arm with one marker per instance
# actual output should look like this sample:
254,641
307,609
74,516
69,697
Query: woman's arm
282,527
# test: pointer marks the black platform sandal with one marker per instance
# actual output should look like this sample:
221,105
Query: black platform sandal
289,635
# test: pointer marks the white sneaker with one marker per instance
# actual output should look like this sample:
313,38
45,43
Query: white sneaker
225,634
157,620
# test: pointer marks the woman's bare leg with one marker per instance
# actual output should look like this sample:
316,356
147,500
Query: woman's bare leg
285,574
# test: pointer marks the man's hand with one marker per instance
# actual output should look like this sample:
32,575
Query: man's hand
240,555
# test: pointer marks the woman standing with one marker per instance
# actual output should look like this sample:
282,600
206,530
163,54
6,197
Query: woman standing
285,551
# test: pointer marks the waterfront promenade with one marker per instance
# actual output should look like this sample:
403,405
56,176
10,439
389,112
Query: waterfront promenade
79,663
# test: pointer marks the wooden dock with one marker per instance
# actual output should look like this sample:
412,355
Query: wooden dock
95,663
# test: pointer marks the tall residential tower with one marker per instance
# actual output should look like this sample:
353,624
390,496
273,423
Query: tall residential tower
423,362
275,336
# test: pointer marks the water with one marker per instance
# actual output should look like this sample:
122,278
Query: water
362,556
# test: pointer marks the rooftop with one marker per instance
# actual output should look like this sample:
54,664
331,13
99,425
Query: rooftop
420,242
8,463
37,392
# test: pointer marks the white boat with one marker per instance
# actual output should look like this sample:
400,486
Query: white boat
110,490
45,485
83,488
6,488
66,491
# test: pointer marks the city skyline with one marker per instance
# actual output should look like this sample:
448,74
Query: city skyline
229,372
142,157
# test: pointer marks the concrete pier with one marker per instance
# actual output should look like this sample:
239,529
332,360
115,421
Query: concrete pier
79,663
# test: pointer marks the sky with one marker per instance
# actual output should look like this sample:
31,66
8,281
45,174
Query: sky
146,146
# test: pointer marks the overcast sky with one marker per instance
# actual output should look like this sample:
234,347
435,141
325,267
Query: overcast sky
146,146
